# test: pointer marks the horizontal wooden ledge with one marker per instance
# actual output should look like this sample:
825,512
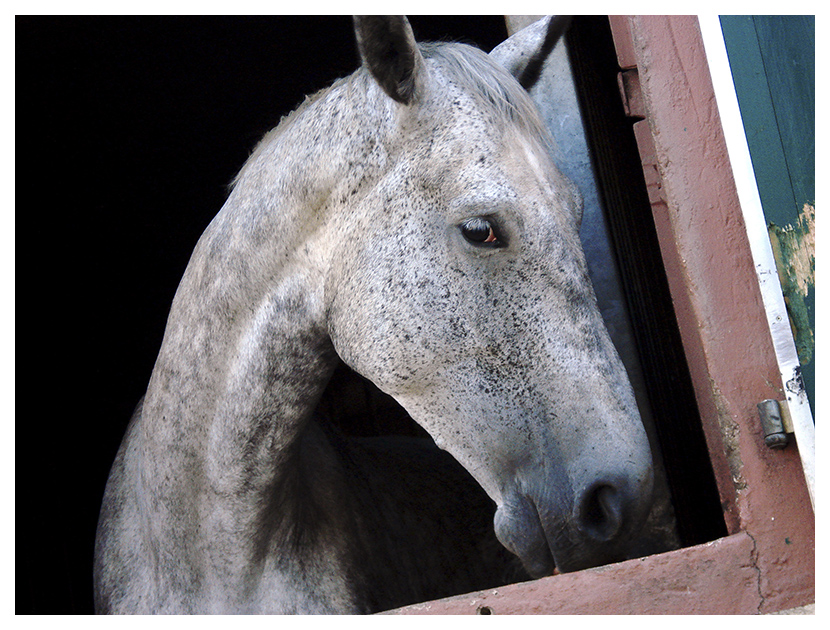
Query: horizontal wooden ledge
718,577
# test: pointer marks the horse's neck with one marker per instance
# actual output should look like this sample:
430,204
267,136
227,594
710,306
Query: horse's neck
246,353
233,388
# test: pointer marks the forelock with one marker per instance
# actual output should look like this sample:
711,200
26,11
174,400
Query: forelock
495,88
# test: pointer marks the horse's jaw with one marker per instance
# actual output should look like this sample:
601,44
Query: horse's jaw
562,504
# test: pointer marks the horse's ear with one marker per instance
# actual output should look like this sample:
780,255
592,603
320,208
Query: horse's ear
524,53
388,49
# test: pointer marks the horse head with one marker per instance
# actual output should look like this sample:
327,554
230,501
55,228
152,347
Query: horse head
463,293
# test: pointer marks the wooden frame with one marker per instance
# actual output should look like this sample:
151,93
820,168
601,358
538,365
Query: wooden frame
767,562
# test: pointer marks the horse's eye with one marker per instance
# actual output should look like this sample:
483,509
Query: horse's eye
479,231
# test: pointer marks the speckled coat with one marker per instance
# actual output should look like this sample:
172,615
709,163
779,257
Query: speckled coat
409,222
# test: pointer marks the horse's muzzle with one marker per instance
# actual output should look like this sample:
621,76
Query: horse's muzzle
592,526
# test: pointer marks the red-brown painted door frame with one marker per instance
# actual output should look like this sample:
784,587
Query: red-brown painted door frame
767,562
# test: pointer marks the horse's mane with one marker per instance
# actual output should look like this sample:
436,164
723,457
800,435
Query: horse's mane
497,90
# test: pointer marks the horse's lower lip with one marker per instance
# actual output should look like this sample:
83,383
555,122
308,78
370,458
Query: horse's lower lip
540,568
545,548
519,528
540,564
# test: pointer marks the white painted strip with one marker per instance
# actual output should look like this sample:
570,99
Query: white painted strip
756,227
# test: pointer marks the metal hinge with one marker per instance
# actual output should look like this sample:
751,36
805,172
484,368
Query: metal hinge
776,423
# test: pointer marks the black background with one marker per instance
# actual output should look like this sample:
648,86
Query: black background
128,131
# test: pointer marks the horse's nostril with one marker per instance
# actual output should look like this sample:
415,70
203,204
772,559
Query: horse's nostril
600,512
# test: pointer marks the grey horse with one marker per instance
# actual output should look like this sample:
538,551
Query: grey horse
409,222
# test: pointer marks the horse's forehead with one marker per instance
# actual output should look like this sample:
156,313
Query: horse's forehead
463,115
477,157
459,122
474,152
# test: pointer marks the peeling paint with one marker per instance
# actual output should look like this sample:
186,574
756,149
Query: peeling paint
794,248
730,433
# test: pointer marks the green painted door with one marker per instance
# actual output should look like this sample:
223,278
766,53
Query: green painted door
772,59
